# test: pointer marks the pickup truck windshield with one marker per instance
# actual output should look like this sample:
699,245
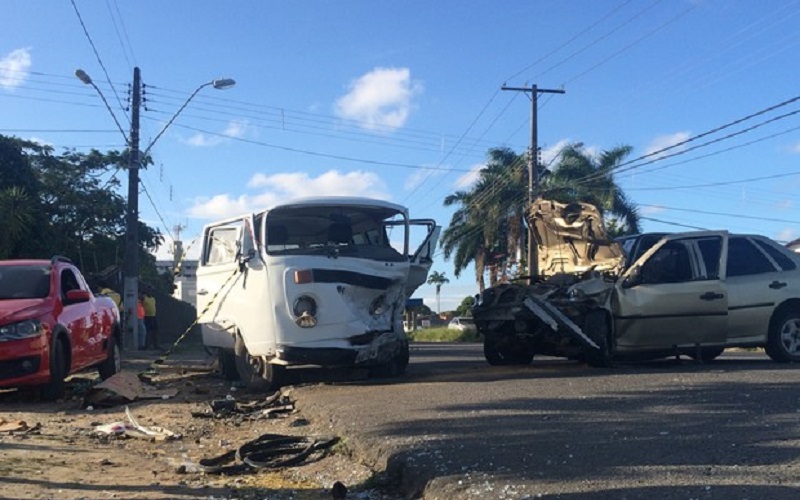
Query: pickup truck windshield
346,231
24,282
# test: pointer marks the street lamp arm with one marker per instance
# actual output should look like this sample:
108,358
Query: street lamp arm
223,83
82,76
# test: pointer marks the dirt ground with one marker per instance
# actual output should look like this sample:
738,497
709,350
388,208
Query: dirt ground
59,454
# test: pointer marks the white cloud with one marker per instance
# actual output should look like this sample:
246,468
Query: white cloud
550,154
381,99
15,68
651,209
795,148
235,129
469,178
665,141
786,235
285,186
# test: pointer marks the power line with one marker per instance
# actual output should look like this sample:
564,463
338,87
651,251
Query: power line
96,53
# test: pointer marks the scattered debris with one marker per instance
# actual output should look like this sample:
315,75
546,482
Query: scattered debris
136,430
268,451
122,388
277,404
17,426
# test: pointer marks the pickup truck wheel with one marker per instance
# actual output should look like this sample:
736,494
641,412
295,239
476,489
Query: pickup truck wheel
258,375
113,362
58,372
783,342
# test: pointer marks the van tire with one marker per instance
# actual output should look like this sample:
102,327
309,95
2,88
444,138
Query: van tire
227,364
257,374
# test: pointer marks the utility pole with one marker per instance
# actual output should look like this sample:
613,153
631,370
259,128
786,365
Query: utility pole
131,267
533,169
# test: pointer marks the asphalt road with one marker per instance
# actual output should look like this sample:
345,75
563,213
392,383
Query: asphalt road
455,427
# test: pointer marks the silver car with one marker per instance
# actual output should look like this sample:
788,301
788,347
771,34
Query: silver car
690,293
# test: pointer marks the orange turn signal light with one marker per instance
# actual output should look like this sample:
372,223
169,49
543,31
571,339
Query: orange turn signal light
303,277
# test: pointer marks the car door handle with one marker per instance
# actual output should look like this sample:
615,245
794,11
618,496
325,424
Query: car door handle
712,296
777,284
202,292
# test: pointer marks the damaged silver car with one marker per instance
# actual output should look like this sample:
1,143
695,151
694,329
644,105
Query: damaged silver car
690,293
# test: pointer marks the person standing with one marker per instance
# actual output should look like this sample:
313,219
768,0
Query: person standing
142,333
150,320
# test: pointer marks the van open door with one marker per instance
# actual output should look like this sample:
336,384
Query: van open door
422,259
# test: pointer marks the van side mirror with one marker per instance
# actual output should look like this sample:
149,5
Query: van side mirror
245,258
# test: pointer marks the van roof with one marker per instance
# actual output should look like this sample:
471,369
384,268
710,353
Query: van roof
340,200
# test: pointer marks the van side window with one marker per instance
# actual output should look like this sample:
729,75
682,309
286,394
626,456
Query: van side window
222,245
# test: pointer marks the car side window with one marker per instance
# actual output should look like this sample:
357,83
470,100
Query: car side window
745,259
68,282
786,263
710,249
670,264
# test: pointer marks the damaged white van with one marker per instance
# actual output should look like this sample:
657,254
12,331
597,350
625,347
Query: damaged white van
316,281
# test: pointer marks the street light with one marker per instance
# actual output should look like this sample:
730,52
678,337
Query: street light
131,264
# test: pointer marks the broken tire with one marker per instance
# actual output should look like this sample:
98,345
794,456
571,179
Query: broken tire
783,341
113,362
58,372
503,352
394,367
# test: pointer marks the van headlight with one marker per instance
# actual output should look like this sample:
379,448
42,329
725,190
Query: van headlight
305,311
378,306
21,330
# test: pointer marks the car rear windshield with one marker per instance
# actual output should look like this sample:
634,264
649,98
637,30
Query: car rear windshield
24,282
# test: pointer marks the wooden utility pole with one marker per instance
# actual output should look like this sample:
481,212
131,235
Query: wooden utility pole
533,168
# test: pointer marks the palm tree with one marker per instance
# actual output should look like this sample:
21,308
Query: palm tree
438,279
582,176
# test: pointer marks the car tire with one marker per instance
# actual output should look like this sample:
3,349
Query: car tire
783,341
58,372
499,352
707,354
257,375
596,328
113,362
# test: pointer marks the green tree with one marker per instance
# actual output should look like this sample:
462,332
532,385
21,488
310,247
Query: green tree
582,176
438,279
465,308
68,205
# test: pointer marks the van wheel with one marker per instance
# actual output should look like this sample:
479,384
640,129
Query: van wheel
258,375
113,362
499,352
783,342
227,364
58,372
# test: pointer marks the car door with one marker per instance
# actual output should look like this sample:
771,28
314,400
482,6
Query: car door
674,294
755,285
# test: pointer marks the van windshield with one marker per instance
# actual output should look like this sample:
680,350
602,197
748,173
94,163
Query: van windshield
348,231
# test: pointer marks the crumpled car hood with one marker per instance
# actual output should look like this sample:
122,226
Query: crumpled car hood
571,238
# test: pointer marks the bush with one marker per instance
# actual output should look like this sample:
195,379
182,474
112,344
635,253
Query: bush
442,335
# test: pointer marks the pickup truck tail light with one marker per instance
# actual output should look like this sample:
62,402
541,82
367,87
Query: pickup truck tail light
21,330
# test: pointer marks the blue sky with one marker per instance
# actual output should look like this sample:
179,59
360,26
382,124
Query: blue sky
400,100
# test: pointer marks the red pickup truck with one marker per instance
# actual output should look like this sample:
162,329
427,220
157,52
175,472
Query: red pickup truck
52,325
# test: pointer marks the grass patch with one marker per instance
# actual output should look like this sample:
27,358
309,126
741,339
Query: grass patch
442,335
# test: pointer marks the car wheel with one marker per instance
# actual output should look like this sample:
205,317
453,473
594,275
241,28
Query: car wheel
58,372
500,352
254,372
706,354
113,362
783,342
596,328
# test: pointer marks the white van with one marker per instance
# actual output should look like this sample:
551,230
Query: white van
316,281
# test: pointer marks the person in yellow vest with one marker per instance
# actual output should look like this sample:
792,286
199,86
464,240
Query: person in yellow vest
150,320
106,290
